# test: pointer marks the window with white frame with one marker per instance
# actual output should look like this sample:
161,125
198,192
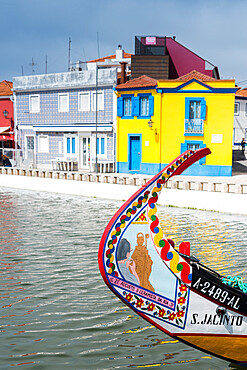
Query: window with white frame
100,102
43,144
236,109
63,102
70,145
30,142
34,104
83,101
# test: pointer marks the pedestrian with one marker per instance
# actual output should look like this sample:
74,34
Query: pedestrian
6,161
243,143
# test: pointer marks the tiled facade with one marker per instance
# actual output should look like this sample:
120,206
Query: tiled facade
71,134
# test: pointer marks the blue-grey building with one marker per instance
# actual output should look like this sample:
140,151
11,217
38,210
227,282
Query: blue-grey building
56,118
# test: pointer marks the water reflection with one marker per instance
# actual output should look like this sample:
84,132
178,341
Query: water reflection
57,313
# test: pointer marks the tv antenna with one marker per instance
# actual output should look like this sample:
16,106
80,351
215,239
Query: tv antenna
32,65
69,54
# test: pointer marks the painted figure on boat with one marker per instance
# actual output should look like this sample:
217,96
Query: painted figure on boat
143,261
127,266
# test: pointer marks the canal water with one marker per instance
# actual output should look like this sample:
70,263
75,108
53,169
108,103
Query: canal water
56,311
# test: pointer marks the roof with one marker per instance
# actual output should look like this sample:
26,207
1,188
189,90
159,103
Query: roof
142,81
5,88
242,93
126,55
195,75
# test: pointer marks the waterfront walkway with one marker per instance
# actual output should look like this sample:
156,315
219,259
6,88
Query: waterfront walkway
221,194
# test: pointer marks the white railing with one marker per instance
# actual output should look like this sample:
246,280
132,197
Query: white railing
194,126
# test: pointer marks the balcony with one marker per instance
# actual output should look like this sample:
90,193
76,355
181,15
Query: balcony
193,126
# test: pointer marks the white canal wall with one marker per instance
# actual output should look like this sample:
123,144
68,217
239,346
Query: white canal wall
204,200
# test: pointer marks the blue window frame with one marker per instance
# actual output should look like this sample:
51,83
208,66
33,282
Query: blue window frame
141,106
146,104
195,114
97,150
193,145
73,145
195,108
101,145
70,145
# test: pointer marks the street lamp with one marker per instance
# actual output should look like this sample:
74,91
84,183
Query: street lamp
150,124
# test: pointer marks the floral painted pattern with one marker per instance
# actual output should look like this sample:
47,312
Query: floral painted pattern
177,316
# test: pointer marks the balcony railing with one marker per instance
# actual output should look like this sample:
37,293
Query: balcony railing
194,126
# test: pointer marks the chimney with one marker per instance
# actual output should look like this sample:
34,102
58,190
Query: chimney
119,53
123,76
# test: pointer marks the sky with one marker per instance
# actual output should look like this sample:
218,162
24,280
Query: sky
35,30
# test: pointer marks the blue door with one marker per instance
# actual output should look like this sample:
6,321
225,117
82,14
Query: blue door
135,153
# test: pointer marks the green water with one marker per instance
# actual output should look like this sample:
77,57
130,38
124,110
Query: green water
57,313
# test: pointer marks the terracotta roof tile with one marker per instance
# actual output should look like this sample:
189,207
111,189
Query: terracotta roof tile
126,55
5,88
242,92
197,75
142,81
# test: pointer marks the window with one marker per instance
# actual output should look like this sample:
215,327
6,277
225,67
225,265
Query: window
101,146
193,145
30,142
195,114
43,144
144,105
63,102
29,149
236,109
194,109
84,101
141,106
70,145
100,102
34,104
127,106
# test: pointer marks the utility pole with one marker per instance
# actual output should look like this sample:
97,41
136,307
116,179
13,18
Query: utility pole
98,44
69,55
22,71
96,120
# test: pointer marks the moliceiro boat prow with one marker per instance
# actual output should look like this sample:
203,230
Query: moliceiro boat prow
168,287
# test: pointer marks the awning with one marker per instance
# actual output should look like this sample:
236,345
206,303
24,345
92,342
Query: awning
6,137
73,128
2,129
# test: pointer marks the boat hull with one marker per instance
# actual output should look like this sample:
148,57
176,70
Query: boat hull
164,287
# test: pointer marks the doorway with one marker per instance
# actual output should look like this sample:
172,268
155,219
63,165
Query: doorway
85,152
134,153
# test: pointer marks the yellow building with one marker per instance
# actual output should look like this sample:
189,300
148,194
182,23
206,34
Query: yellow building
158,120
